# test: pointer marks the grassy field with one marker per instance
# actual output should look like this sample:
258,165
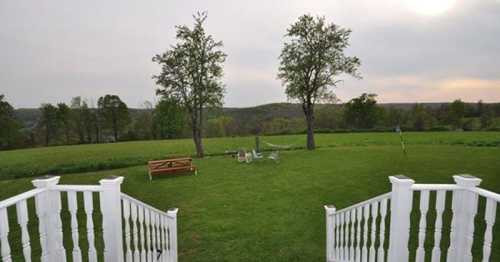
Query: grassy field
84,158
266,211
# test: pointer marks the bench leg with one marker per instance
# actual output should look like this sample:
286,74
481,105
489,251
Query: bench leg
150,177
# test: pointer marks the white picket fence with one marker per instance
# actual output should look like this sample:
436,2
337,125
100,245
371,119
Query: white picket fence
149,234
359,233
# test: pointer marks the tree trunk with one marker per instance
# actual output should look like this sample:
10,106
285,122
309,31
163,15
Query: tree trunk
198,143
196,125
309,112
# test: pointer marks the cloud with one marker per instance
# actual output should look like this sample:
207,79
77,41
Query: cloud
58,49
469,83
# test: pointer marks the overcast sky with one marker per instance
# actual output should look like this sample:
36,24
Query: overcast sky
411,50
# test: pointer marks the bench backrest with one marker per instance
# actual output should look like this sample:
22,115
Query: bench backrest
170,163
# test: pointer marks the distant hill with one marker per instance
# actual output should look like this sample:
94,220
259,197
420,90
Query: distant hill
30,116
293,110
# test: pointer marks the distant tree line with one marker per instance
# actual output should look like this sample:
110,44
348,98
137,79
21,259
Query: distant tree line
79,123
111,120
362,114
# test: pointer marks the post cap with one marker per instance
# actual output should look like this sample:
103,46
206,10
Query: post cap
467,180
111,180
330,209
172,212
401,179
46,181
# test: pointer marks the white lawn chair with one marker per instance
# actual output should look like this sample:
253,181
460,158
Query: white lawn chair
275,156
243,156
248,158
256,155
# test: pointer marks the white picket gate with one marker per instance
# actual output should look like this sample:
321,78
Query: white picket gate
359,233
149,234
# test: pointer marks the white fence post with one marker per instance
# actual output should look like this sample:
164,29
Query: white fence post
401,206
464,207
330,229
172,220
48,208
110,200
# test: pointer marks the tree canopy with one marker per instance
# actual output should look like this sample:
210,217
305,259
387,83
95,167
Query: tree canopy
9,126
311,61
114,112
361,112
191,73
48,122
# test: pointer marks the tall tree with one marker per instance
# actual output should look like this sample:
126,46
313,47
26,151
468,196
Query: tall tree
63,119
114,113
143,122
48,122
94,121
9,126
77,118
456,113
421,118
362,111
487,116
191,72
311,62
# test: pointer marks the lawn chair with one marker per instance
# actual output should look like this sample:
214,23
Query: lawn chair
244,156
256,155
275,155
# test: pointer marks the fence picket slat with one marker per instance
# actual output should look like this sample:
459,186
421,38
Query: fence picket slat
373,253
351,245
142,247
22,220
158,235
383,214
374,213
440,204
337,237
489,217
359,212
366,213
347,234
42,220
147,219
126,220
89,209
73,207
4,236
133,216
342,237
153,235
424,206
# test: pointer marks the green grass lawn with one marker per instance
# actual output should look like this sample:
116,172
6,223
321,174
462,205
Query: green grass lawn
84,158
265,211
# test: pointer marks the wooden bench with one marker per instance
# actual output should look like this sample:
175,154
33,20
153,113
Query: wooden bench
171,166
